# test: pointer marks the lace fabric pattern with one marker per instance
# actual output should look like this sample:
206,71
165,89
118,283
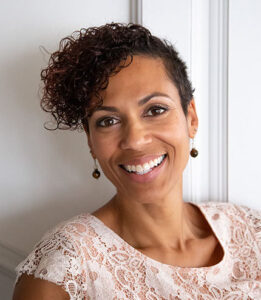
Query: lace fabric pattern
90,261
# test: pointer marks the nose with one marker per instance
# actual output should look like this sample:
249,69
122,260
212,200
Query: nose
135,137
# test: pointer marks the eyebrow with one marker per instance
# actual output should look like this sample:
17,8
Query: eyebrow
140,103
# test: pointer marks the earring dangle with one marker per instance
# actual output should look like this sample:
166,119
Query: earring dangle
96,173
194,151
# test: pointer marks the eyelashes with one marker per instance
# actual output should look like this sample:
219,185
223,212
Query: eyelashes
152,112
158,110
107,122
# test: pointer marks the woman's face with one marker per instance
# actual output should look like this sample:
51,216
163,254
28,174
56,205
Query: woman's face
141,128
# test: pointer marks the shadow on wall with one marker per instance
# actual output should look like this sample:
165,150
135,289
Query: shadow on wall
45,176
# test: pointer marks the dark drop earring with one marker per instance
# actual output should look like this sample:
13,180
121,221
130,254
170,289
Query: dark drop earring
96,173
194,151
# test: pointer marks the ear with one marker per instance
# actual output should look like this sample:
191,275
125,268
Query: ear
192,119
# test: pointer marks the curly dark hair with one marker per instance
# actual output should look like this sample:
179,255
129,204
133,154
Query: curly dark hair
81,68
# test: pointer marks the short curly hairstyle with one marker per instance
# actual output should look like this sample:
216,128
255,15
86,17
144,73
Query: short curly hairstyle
80,70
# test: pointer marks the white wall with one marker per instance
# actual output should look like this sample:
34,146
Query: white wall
245,102
6,286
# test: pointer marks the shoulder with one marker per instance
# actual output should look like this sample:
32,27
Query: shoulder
252,218
223,212
233,210
235,216
56,258
72,227
63,236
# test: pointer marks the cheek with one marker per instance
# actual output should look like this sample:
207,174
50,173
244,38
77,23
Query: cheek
103,146
176,136
174,132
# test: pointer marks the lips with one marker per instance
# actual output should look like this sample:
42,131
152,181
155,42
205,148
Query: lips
143,165
143,175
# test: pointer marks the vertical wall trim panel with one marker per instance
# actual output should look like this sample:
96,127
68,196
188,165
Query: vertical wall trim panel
191,178
209,74
218,100
136,11
199,73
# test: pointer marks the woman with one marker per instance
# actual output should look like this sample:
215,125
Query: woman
131,93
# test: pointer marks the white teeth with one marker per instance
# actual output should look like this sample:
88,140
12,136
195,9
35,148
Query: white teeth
144,172
151,164
128,168
146,167
139,168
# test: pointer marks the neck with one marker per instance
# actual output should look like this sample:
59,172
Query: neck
163,223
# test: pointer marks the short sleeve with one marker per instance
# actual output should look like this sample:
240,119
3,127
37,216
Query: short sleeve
55,259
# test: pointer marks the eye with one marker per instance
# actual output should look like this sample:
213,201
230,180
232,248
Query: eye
156,110
107,122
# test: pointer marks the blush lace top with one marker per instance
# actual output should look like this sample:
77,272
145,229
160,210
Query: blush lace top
90,261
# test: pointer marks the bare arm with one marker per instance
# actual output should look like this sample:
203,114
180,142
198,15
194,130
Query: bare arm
31,288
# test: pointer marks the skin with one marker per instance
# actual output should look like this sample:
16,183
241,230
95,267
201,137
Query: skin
30,288
151,216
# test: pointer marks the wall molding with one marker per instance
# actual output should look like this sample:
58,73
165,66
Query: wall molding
218,99
209,74
199,74
136,10
9,259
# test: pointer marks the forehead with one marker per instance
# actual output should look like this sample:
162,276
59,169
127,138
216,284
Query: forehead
145,75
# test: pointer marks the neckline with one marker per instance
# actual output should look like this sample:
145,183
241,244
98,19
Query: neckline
203,210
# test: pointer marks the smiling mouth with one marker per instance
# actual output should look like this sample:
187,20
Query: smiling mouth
146,167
